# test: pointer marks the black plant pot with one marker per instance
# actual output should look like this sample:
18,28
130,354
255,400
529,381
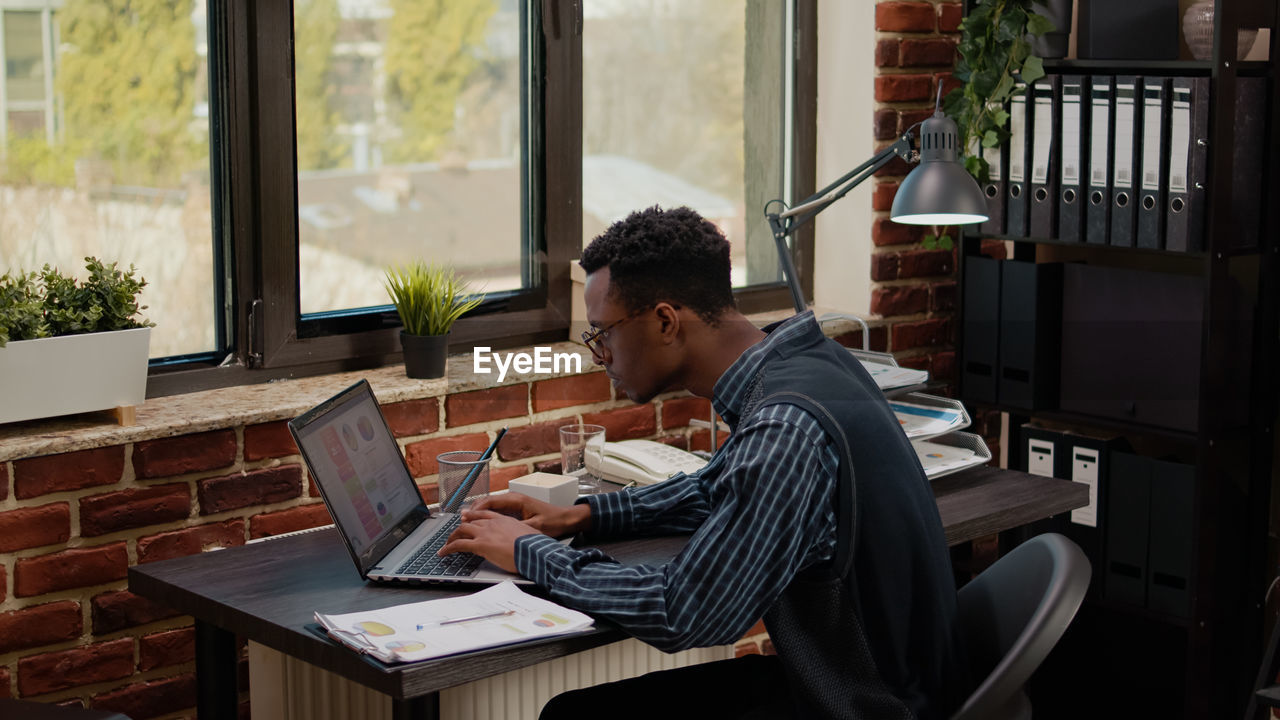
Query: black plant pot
424,355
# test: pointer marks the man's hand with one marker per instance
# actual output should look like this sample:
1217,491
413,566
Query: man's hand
544,517
490,535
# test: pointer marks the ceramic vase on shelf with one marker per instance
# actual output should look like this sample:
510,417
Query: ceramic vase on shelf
1197,29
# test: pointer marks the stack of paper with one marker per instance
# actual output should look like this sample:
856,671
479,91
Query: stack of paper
955,452
498,615
926,421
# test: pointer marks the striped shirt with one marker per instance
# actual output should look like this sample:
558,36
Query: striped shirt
759,512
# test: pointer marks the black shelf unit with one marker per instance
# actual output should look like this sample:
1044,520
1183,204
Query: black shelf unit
1122,660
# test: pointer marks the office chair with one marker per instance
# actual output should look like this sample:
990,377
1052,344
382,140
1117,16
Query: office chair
1011,615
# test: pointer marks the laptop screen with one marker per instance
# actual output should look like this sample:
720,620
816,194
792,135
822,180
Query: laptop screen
356,462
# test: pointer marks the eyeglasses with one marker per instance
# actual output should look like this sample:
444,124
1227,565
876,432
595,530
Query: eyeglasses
594,337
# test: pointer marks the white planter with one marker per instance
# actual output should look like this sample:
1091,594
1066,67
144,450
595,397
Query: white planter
73,374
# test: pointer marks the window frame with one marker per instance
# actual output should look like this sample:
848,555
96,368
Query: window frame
255,232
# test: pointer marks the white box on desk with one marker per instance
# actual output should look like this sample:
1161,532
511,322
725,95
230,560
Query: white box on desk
559,490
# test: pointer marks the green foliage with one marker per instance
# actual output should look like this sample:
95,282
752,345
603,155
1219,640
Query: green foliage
935,242
48,303
994,53
127,76
314,31
30,160
429,298
429,55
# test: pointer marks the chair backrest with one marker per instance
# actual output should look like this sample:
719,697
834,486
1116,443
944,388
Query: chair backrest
1012,615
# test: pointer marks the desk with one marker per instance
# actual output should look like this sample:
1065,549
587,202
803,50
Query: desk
268,591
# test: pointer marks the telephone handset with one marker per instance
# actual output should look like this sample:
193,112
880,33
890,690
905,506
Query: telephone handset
643,462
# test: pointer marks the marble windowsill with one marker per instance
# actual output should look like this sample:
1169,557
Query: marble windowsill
277,400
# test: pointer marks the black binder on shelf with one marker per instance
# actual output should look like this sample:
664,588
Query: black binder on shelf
1188,162
1020,130
1073,142
1030,323
1152,177
1097,213
1169,555
1128,523
1126,141
1044,158
994,188
981,325
1247,160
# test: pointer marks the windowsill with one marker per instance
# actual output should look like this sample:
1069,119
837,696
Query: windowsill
279,400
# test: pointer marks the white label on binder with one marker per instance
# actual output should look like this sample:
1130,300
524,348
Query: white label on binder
992,156
1070,139
1017,138
1179,140
1043,139
1040,458
1084,469
1099,142
1124,135
1151,127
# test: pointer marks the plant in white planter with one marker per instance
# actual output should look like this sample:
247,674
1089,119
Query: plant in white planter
67,346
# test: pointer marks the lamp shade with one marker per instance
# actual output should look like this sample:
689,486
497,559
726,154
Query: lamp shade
939,191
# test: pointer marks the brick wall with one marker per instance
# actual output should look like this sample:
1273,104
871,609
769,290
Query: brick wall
72,524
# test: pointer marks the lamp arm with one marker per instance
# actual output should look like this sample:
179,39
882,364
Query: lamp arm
785,223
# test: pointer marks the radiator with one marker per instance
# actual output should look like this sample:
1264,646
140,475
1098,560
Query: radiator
283,688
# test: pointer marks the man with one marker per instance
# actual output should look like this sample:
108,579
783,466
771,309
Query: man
814,514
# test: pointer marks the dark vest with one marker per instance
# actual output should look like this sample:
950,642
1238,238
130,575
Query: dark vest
873,633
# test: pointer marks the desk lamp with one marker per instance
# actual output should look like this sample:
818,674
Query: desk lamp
938,192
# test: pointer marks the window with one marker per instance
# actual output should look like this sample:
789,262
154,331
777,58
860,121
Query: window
262,186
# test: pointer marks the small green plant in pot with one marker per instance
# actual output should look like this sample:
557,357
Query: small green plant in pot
429,299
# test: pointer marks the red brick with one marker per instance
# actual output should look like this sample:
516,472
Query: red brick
948,82
189,541
885,124
293,519
903,88
879,339
944,297
421,455
4,583
430,492
766,647
905,17
500,477
570,391
679,441
184,454
256,487
943,366
928,51
413,417
887,52
910,118
120,609
553,466
882,196
926,263
701,440
757,629
899,300
485,405
268,440
897,167
35,526
40,625
925,333
949,16
172,647
742,649
677,412
886,232
521,443
133,508
625,423
994,249
4,481
4,683
884,266
68,471
150,699
55,671
78,567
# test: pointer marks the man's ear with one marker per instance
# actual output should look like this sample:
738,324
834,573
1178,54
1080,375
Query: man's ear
668,322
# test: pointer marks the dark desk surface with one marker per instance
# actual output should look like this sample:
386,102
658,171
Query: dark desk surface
267,592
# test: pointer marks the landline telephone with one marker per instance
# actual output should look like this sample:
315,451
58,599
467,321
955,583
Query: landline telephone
643,462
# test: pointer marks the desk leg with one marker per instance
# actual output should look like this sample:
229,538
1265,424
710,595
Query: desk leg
421,708
217,691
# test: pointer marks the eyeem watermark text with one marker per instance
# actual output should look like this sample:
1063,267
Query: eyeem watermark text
541,360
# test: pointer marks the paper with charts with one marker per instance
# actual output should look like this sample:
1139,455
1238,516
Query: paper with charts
926,421
938,460
502,614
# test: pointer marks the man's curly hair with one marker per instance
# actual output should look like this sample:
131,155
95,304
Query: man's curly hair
657,255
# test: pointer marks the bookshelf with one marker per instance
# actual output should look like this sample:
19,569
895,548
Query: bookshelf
1123,656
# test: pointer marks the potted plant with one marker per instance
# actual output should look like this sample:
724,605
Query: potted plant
68,346
429,299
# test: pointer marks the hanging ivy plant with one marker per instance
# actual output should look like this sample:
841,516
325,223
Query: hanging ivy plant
994,55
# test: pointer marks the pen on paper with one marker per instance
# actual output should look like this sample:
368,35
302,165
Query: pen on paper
455,621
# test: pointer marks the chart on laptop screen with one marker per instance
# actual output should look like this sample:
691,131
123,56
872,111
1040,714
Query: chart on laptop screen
363,478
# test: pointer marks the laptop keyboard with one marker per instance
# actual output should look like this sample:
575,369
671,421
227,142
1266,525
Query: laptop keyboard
425,562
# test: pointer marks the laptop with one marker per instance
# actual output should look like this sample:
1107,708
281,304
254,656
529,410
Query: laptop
391,533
